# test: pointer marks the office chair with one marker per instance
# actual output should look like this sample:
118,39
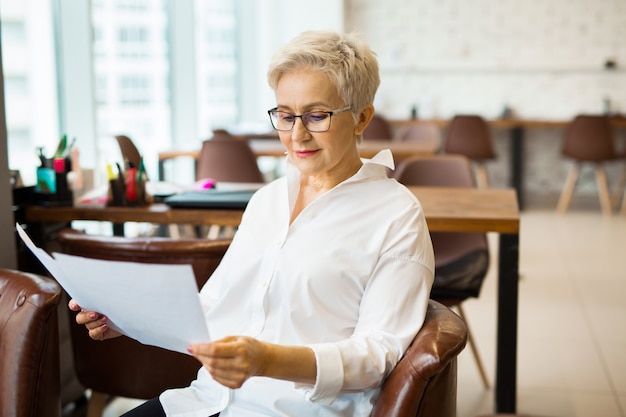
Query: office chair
469,135
588,139
461,259
29,345
122,366
424,382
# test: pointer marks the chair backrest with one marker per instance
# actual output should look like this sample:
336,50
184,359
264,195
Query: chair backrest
29,345
427,133
122,366
589,138
444,170
448,170
424,382
469,135
129,151
378,129
225,158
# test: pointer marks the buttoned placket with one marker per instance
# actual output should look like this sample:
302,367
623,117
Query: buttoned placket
267,271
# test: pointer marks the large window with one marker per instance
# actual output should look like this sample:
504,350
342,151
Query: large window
30,93
164,72
131,68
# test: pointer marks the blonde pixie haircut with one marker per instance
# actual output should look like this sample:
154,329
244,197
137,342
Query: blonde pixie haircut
347,61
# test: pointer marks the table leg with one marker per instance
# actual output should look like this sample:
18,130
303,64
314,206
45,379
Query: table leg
517,159
161,170
506,357
118,229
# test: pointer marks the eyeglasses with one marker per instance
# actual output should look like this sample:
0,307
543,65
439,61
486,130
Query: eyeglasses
313,121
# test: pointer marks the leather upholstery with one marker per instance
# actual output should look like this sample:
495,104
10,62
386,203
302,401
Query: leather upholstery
29,345
122,366
424,382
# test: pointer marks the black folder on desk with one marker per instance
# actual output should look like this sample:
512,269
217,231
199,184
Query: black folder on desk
235,199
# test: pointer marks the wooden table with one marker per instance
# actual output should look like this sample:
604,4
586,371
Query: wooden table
274,148
446,210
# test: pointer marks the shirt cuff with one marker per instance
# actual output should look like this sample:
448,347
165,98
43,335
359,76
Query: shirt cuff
329,379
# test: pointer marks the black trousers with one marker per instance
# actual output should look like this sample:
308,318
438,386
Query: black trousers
151,408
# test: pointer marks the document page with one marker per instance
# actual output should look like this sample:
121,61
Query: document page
154,304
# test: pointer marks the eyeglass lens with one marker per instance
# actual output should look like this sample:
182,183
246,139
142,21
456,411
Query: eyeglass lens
313,121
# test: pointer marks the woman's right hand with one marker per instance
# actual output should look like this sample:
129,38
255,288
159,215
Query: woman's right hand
95,323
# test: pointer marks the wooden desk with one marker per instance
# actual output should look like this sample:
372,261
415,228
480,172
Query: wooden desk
446,210
274,148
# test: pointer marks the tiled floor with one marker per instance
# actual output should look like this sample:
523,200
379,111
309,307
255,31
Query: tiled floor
572,321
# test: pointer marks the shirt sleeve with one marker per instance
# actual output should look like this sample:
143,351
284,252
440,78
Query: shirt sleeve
392,312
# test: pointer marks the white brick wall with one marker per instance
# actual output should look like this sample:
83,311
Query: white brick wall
544,58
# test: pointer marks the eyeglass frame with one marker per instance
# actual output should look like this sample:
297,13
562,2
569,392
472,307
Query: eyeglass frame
330,117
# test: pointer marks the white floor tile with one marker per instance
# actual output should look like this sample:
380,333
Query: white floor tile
572,320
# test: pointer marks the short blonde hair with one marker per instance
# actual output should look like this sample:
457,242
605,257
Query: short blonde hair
347,61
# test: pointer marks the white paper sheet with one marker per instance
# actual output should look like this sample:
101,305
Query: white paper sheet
152,303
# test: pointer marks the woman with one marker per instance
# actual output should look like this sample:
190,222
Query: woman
328,277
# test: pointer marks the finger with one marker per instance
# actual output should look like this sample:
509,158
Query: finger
87,317
232,378
73,305
98,333
223,348
96,323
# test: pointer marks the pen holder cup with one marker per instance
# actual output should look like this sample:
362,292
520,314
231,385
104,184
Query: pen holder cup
52,188
127,190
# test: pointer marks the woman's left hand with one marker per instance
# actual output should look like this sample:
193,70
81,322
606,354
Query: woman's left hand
233,359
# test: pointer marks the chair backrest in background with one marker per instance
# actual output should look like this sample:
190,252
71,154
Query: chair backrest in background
129,151
469,135
450,248
378,129
427,133
225,158
589,138
29,345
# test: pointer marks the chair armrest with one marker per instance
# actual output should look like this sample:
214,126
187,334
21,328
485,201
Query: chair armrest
424,381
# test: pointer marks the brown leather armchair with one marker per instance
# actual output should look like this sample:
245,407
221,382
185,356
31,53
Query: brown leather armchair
423,383
122,366
29,346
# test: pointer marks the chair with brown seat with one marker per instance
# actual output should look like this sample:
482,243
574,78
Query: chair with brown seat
588,139
29,345
225,158
469,135
129,151
424,382
461,259
378,129
422,132
122,366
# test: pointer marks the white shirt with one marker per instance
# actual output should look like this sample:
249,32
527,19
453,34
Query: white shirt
350,278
